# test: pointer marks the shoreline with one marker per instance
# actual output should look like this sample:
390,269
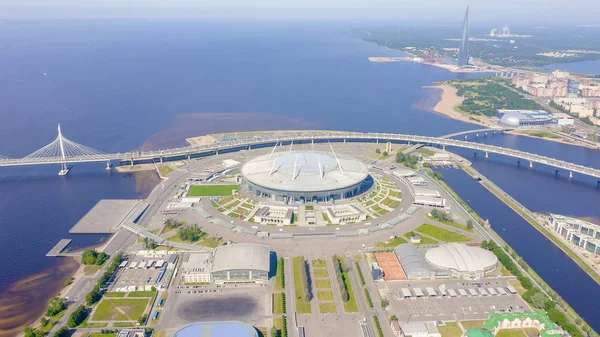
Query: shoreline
449,100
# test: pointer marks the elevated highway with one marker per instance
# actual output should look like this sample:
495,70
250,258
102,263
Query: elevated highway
299,137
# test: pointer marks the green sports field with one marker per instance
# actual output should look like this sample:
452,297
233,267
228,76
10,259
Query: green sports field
215,190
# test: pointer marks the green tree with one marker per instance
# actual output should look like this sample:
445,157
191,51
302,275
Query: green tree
93,296
377,150
62,332
77,316
142,320
469,224
538,300
43,321
385,153
385,302
30,332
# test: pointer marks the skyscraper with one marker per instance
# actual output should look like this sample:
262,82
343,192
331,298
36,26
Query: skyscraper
463,49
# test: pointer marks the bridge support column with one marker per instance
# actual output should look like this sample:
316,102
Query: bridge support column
485,135
518,162
493,133
475,154
444,148
530,164
161,159
477,135
486,155
344,140
189,156
216,152
108,166
466,137
570,174
131,161
377,141
556,173
249,147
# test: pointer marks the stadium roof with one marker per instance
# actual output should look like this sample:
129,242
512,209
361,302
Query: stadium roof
411,260
304,171
217,329
461,257
241,256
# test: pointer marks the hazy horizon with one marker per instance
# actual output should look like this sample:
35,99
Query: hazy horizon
509,11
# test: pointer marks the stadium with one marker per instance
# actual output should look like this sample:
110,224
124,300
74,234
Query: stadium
306,176
462,261
241,263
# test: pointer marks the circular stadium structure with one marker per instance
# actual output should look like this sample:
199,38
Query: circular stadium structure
461,260
306,176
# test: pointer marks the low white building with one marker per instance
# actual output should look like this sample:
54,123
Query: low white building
420,329
229,163
344,214
196,268
275,215
585,235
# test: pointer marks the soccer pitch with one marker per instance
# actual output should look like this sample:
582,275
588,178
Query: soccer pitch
212,190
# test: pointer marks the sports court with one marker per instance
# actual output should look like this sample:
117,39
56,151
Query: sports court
390,265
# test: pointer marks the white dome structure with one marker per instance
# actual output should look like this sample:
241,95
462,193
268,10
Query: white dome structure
305,175
512,118
461,260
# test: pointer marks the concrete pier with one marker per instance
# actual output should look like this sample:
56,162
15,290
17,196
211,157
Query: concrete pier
59,247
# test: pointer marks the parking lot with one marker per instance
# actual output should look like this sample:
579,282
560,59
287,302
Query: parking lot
143,272
470,305
187,305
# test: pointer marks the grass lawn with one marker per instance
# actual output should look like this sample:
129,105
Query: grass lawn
504,271
211,241
391,243
165,170
301,306
511,333
278,323
212,190
351,305
321,273
223,201
309,208
141,293
518,287
472,324
100,334
450,330
91,269
424,240
327,308
322,284
442,234
278,304
120,309
94,325
115,294
123,325
319,263
453,224
325,295
279,276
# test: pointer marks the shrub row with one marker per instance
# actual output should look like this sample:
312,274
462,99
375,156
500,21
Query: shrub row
377,326
369,300
305,281
339,270
360,274
96,294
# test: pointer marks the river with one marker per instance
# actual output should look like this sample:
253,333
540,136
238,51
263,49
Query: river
119,85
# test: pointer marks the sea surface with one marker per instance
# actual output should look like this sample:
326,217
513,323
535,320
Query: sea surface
118,85
583,67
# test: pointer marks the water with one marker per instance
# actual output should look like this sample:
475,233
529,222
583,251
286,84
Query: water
583,67
121,85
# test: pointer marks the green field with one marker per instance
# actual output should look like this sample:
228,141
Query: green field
424,240
511,333
165,170
319,263
123,325
278,304
211,241
472,324
442,234
279,276
100,334
140,293
391,243
120,309
327,308
115,294
450,330
320,273
325,295
212,190
322,284
302,306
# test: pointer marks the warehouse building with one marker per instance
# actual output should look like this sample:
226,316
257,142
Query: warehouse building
412,261
237,263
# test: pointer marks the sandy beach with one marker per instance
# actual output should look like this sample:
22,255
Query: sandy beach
448,101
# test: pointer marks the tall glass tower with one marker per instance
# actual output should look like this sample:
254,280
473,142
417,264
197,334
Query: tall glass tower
463,49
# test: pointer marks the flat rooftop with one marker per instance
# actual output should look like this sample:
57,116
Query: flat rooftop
105,216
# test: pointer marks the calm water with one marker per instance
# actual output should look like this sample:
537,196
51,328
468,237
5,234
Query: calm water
115,85
584,67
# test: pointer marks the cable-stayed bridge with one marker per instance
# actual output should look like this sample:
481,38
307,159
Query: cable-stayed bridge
66,152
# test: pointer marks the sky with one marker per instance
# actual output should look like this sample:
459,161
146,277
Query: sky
510,11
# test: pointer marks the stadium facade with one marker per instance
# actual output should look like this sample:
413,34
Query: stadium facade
306,176
467,262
